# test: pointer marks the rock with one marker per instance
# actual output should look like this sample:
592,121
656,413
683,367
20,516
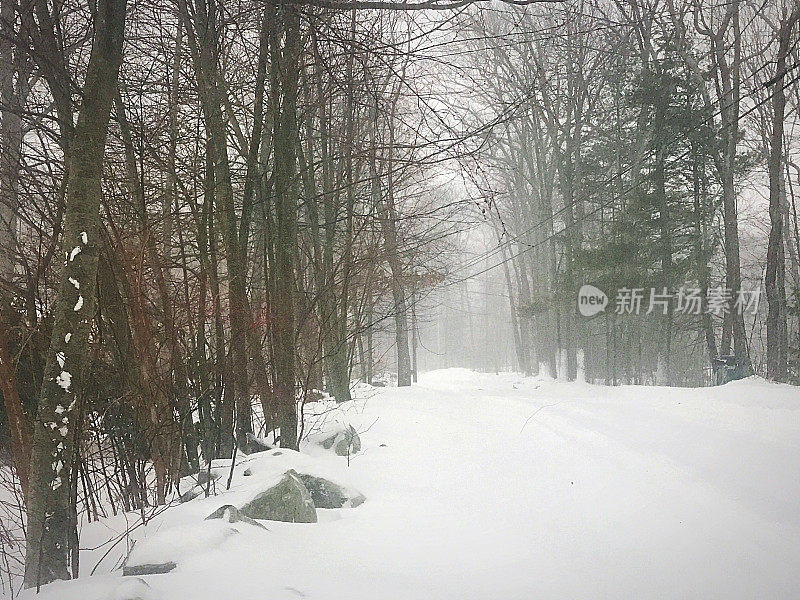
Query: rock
191,494
288,500
231,514
344,442
149,569
347,442
255,444
327,494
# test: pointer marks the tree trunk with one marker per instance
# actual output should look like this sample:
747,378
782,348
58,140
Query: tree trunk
522,358
388,219
665,242
204,44
165,380
11,133
701,260
285,176
11,103
775,277
15,412
733,324
51,531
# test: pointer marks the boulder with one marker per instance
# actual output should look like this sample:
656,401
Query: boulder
255,444
231,514
191,494
327,494
344,442
288,500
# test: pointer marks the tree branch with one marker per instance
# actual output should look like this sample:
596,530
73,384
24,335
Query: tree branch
402,5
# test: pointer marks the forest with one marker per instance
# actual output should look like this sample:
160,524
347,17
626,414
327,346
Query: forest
216,215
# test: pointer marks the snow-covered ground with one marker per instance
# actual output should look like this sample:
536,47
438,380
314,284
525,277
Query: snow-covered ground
501,487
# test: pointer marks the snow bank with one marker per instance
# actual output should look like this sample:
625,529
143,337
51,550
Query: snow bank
499,486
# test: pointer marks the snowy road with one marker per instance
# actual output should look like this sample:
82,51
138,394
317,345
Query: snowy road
499,487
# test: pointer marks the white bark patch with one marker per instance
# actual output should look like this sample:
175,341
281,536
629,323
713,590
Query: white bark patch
60,358
78,304
75,251
67,338
64,380
75,283
63,431
60,409
56,483
84,238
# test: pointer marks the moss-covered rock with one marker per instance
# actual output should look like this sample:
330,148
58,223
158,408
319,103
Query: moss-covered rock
327,494
288,500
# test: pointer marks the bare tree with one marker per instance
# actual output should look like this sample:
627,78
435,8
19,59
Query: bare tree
775,277
51,534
